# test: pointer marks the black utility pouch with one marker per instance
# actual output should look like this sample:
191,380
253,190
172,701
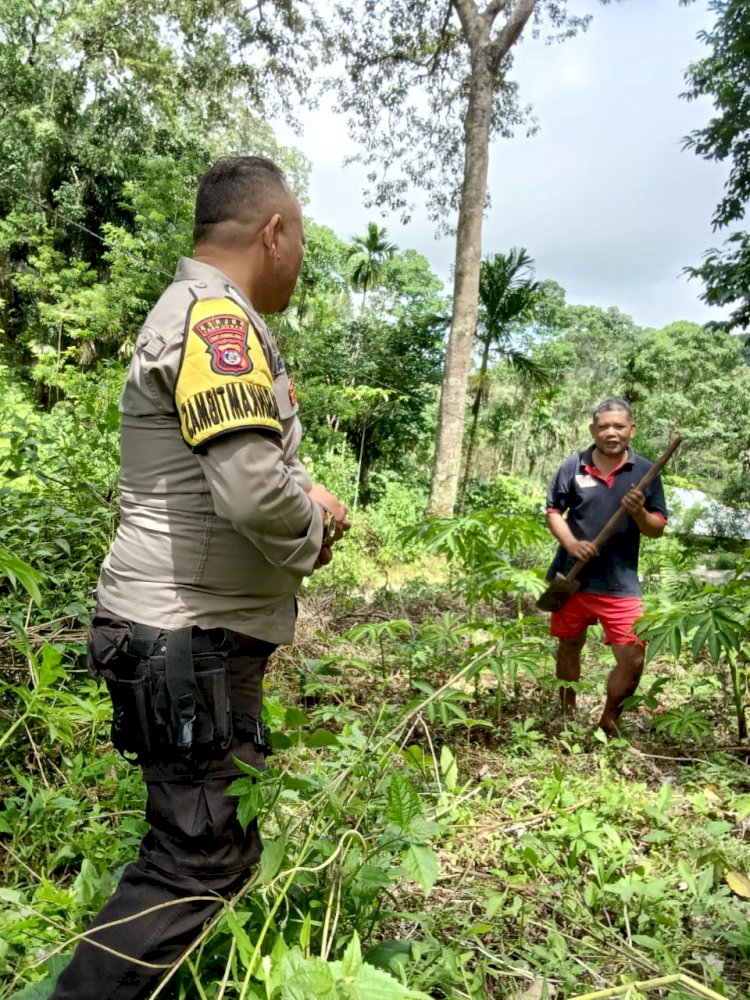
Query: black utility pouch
132,659
126,675
212,722
132,728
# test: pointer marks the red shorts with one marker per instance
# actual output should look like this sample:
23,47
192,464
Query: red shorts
617,615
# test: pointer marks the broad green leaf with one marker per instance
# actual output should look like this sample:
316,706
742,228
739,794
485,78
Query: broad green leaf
675,641
307,978
705,881
321,738
305,933
387,954
91,886
416,757
50,666
646,941
422,829
272,858
713,645
247,768
356,980
421,863
294,718
403,801
449,769
18,570
494,902
700,635
240,935
351,963
249,806
373,877
280,741
36,991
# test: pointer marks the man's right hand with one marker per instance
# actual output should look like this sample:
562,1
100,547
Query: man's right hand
325,556
321,495
582,551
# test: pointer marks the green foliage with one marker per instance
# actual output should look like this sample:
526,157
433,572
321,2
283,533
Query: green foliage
36,702
111,112
368,256
680,379
19,571
681,384
58,473
484,545
375,798
683,723
722,76
507,494
713,620
507,292
366,375
301,977
424,834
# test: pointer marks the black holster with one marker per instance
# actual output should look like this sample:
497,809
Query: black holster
170,694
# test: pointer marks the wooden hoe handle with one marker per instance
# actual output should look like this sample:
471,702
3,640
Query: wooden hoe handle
611,524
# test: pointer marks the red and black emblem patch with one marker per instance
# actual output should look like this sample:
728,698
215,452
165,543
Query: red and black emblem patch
226,340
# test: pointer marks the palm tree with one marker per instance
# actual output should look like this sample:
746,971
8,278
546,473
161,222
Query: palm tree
507,291
369,255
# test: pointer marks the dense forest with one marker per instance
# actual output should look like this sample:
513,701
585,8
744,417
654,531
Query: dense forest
432,828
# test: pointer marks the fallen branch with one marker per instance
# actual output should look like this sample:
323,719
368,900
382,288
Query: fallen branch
653,984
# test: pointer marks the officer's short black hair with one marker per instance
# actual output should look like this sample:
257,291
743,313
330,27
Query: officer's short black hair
230,188
612,403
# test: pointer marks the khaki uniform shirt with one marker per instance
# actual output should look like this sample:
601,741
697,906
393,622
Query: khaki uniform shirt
216,527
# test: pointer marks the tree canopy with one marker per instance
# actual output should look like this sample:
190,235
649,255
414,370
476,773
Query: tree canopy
723,77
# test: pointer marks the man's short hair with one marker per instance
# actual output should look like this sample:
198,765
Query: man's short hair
612,403
231,189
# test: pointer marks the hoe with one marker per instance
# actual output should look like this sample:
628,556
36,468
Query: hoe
563,587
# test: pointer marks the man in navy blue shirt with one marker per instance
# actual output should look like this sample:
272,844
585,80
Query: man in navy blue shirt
587,489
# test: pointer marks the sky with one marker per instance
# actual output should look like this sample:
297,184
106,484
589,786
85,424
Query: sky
603,198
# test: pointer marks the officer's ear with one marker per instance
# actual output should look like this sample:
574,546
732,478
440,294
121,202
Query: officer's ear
271,232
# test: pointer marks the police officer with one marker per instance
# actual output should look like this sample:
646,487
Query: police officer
220,523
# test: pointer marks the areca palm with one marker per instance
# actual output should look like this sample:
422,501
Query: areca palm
368,256
507,291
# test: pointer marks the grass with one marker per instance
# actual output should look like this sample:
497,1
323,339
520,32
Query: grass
565,864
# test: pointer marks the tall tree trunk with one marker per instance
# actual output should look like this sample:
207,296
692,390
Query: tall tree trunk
486,58
469,452
359,470
451,418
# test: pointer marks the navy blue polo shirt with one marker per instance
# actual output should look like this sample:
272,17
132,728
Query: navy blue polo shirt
588,498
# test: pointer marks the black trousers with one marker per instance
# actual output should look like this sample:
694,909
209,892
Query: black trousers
195,847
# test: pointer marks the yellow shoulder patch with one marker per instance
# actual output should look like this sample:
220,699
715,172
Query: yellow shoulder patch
224,383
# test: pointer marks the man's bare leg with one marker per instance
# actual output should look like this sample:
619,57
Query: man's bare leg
621,683
568,668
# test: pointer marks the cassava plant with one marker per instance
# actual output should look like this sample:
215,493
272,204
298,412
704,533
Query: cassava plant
710,620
